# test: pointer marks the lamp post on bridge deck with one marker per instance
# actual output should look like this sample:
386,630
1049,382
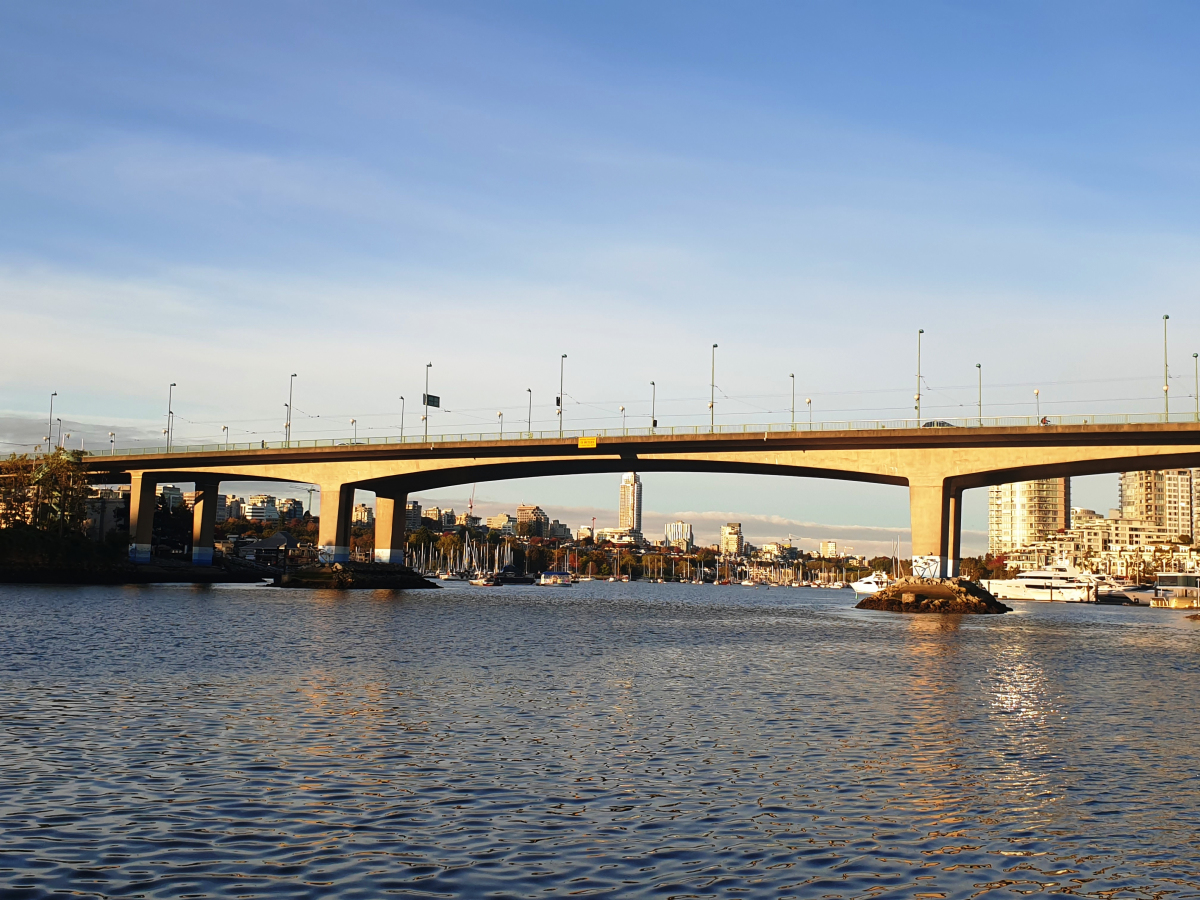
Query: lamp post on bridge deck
561,366
287,437
920,331
712,393
1166,374
979,368
50,427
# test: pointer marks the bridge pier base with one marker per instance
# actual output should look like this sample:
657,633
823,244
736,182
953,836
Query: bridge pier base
337,503
936,516
204,521
141,515
391,518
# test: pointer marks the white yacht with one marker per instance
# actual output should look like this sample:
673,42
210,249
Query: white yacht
1060,582
872,584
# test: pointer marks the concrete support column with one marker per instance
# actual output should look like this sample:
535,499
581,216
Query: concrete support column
204,520
337,503
141,515
391,519
936,515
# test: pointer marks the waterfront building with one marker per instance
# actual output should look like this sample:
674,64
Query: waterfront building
829,550
235,507
107,510
289,508
732,542
172,497
434,513
412,515
448,518
1166,497
468,520
630,515
778,550
558,531
362,515
622,537
678,534
584,532
1025,512
503,523
261,508
532,520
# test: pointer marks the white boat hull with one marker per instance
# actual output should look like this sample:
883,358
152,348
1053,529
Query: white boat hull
1013,589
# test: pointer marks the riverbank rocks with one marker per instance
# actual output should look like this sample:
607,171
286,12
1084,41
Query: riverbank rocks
934,595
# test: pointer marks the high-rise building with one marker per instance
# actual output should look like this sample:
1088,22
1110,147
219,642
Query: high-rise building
829,550
630,517
172,497
261,508
289,508
532,520
412,515
362,515
1026,512
678,534
1167,498
732,542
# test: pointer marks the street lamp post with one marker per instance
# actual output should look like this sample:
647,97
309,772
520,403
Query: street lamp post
561,364
653,404
808,403
59,443
1196,363
529,422
500,415
170,414
712,392
920,332
112,443
287,438
623,420
1037,398
225,428
402,418
793,377
354,422
1166,374
425,418
50,432
979,369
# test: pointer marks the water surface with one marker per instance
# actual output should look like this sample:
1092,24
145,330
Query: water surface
603,740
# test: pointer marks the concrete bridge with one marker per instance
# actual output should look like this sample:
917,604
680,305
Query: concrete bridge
936,464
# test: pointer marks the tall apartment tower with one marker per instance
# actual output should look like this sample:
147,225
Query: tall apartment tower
631,503
1166,498
1026,512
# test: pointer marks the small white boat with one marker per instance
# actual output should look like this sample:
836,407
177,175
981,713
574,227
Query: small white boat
556,579
451,576
872,584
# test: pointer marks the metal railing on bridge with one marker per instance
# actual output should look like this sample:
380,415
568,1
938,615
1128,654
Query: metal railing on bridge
772,428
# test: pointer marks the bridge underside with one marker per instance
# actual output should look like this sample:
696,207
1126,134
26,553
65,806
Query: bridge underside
937,468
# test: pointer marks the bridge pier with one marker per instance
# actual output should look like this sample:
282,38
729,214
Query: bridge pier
936,516
337,504
141,515
204,521
391,518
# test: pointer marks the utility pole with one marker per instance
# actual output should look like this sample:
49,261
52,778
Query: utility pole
653,402
561,363
170,415
50,427
793,377
1166,374
712,392
425,418
287,438
979,368
920,332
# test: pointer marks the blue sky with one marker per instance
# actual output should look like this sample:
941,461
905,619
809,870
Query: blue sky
221,194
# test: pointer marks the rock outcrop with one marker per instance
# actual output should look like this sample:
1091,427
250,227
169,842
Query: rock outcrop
934,595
